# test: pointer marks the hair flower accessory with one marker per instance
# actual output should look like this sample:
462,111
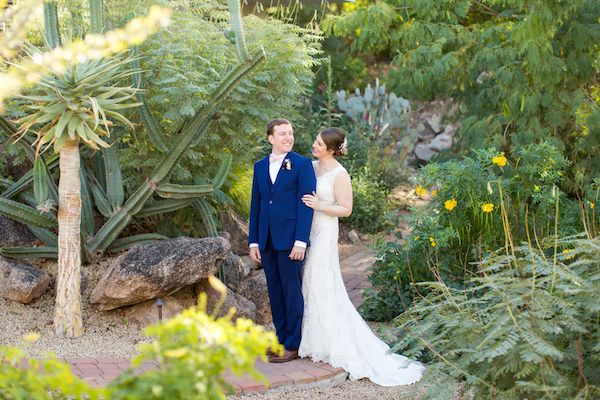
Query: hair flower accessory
287,164
344,147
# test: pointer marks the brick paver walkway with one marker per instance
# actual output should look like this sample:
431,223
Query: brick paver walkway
100,371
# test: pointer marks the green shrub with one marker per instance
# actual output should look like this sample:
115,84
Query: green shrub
369,202
525,326
191,350
462,222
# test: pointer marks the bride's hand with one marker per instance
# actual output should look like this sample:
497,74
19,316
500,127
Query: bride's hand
312,201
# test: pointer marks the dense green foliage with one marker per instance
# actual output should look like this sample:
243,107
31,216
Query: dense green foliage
192,351
523,71
462,221
525,326
369,202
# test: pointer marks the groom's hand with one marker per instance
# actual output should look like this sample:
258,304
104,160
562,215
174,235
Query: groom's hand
297,253
255,254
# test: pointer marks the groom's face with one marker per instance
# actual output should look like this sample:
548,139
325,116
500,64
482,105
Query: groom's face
282,138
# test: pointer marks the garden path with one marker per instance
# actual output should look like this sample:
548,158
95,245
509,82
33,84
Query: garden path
300,372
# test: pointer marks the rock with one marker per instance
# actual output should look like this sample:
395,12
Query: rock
424,152
353,236
233,271
157,270
244,308
13,233
146,313
21,282
434,121
237,227
254,288
250,264
450,130
441,142
426,133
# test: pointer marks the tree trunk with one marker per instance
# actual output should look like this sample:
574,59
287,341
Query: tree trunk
67,314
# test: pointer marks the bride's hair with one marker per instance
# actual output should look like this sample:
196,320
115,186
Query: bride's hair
335,139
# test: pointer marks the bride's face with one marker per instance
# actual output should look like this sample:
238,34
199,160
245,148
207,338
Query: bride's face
320,148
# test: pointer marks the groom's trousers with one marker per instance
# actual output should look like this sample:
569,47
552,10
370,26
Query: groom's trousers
285,294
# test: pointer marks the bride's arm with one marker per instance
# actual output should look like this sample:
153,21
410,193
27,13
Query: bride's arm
342,189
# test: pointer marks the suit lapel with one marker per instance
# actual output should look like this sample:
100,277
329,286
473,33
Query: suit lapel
281,173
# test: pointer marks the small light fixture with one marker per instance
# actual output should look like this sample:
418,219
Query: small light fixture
159,305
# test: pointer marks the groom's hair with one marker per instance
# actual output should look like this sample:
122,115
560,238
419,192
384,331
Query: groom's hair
276,122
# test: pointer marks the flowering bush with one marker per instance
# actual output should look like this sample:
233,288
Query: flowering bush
474,198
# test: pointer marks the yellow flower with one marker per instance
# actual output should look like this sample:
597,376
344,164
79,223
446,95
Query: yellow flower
432,241
420,191
176,353
592,204
487,207
567,251
450,204
416,238
500,160
434,193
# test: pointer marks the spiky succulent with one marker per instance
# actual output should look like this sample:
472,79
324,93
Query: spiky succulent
80,103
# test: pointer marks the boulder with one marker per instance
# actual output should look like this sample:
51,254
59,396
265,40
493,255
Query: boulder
157,270
353,236
146,313
21,282
244,308
254,288
441,142
435,122
13,233
249,265
237,227
233,271
424,152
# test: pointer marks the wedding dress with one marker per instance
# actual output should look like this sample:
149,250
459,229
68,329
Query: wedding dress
332,330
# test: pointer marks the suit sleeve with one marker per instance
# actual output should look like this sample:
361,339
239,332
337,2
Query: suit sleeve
254,210
307,183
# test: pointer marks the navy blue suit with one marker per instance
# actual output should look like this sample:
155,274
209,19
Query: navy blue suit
278,218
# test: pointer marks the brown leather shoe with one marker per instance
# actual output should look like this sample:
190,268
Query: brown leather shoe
288,355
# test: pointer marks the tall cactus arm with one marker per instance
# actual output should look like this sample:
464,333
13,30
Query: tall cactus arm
197,126
96,16
235,12
87,210
51,24
163,206
47,252
46,236
40,181
207,212
114,178
174,191
223,171
26,214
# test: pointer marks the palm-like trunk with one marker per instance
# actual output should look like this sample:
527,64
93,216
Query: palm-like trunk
67,313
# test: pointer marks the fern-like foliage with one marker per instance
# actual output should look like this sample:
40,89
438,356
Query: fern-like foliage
525,326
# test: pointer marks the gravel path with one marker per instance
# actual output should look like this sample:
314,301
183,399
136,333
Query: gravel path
348,390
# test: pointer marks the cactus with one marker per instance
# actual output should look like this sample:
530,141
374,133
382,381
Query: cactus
101,180
235,13
51,24
96,16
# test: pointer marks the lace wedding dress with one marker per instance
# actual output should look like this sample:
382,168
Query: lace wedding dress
332,330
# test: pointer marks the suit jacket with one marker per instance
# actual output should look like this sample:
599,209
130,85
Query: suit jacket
278,207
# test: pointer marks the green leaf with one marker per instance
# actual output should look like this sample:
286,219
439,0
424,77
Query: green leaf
40,181
30,252
135,240
26,215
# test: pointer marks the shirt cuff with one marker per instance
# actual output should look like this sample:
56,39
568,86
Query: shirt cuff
251,245
299,243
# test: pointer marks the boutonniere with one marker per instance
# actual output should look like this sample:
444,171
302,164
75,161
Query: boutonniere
287,164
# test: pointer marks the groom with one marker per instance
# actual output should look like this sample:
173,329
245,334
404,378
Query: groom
279,230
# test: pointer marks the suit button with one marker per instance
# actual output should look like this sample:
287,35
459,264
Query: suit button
270,201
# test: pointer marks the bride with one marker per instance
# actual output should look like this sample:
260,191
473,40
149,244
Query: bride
332,330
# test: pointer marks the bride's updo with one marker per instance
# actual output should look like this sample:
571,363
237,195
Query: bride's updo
335,139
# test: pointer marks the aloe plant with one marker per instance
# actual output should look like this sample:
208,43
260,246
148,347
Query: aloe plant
101,183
